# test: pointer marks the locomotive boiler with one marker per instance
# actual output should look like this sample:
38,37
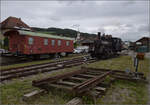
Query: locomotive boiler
105,46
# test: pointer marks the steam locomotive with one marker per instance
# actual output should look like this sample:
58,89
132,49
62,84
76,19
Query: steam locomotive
106,46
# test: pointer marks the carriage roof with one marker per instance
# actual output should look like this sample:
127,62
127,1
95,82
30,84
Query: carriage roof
30,33
38,34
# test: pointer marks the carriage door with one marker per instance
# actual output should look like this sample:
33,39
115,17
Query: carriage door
6,43
30,42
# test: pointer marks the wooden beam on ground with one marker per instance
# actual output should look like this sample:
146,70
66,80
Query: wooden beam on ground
56,78
33,94
102,89
129,79
78,78
75,101
94,73
87,75
84,86
60,86
67,83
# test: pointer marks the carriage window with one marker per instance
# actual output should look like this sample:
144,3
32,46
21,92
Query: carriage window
67,43
59,42
30,41
45,41
53,42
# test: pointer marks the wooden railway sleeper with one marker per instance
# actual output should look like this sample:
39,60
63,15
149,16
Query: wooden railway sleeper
90,83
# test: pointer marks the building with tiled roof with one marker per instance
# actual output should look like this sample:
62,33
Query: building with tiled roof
143,42
13,22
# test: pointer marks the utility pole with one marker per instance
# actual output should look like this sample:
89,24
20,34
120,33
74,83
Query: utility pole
78,32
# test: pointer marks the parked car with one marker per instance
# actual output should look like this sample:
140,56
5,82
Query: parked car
81,49
77,51
2,51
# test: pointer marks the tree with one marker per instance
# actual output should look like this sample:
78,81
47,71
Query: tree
6,43
75,45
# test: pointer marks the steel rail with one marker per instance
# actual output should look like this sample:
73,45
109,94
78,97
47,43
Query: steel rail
56,78
90,83
23,73
37,67
57,61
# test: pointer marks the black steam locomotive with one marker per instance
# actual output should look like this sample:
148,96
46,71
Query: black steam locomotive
105,46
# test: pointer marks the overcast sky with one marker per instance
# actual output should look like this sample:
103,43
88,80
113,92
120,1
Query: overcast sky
126,19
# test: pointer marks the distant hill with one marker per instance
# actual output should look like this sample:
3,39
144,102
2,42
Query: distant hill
63,32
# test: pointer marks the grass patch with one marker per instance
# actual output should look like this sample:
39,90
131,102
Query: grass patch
124,92
12,92
122,63
127,92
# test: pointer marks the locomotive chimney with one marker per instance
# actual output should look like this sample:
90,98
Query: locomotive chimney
110,36
103,34
99,35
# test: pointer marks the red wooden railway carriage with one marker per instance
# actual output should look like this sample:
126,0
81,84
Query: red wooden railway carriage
32,43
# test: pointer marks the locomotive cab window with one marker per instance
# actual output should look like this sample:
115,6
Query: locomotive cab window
45,41
53,42
67,43
59,42
30,41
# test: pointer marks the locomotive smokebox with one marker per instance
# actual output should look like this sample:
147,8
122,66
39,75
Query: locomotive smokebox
99,35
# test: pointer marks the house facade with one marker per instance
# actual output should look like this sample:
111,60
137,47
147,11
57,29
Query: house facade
143,45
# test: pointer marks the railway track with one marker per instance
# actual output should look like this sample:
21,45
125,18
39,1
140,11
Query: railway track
86,81
10,60
81,82
41,68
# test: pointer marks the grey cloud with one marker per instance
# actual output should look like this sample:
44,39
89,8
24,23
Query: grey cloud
144,28
101,29
95,11
130,18
56,19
